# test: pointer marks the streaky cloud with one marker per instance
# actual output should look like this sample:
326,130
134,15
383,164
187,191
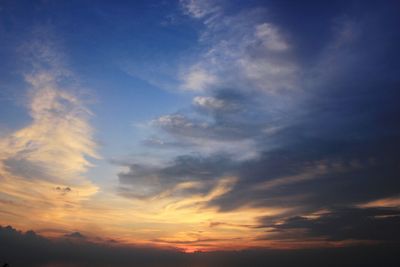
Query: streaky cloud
43,163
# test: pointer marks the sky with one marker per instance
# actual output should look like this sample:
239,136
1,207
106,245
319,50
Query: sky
215,126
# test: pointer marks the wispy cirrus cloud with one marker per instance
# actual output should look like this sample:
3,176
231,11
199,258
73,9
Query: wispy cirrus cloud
44,162
242,51
199,9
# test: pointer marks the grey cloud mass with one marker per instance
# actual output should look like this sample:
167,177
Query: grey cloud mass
30,249
373,224
147,181
331,140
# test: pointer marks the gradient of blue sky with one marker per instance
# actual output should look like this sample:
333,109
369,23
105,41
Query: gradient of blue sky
246,120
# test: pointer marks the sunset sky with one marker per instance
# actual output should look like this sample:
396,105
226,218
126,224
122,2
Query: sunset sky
201,125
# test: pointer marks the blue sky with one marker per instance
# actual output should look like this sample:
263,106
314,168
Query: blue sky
195,124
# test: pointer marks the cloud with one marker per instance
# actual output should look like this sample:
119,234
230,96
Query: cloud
226,122
270,37
42,164
59,136
242,51
295,128
348,224
40,251
295,134
64,190
242,74
199,9
209,103
75,235
199,79
392,202
180,125
185,173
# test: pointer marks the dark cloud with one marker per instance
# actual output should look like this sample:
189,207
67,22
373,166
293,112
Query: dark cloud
180,125
380,224
27,169
223,102
317,170
29,249
75,235
155,142
227,115
63,190
151,180
307,172
334,141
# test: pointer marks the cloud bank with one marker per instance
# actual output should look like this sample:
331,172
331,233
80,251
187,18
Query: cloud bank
300,132
39,251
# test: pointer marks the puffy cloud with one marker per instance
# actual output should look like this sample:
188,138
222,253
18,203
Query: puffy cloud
197,78
208,102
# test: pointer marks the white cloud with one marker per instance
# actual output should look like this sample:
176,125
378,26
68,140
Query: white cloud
270,37
172,121
271,77
243,51
51,151
198,79
59,137
199,8
209,102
